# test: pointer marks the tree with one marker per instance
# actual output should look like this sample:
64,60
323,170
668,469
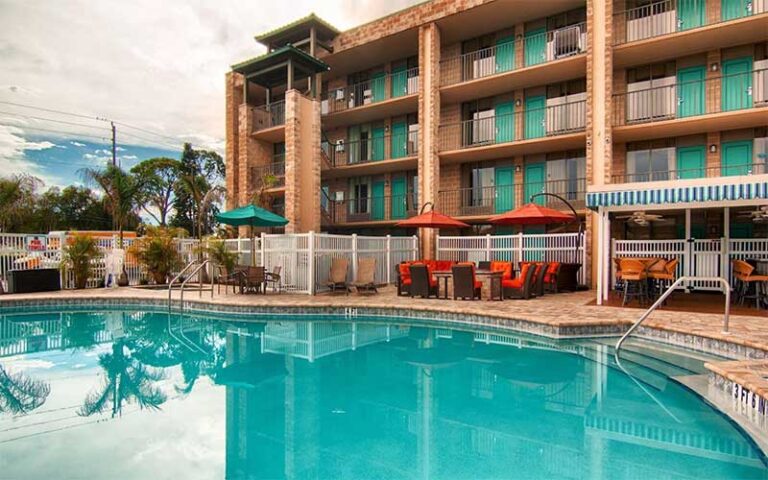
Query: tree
202,169
21,394
122,193
17,195
158,177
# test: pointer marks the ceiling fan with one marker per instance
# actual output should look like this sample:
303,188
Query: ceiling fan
642,218
759,215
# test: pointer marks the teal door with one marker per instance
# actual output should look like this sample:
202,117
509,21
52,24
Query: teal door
505,122
690,14
737,84
377,200
377,144
730,9
690,91
398,201
505,189
378,90
690,162
505,54
535,181
535,46
399,140
535,111
399,81
736,158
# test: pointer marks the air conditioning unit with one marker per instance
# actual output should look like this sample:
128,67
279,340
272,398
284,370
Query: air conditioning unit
567,41
760,82
338,196
340,146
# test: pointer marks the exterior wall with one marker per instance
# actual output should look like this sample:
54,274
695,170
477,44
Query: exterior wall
233,100
302,163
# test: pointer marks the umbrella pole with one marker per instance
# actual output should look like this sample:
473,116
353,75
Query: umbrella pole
253,248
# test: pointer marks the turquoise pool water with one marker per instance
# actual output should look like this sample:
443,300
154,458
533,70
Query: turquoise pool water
141,395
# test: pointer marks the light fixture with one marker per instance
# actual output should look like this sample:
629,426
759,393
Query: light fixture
713,148
714,67
518,102
518,169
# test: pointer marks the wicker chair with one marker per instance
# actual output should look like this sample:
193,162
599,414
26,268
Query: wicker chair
748,281
635,278
422,283
366,273
538,279
550,277
521,286
403,272
465,283
254,280
273,278
337,277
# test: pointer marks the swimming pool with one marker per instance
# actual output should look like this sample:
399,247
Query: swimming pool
122,394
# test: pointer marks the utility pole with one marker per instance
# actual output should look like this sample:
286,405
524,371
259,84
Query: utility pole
114,148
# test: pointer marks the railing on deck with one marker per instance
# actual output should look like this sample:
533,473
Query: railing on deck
689,173
385,147
379,88
493,200
268,116
533,49
374,209
273,174
670,16
526,125
643,103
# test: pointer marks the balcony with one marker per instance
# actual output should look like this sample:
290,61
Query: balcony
482,202
496,64
373,210
725,103
692,173
392,94
270,176
269,121
380,154
530,131
684,26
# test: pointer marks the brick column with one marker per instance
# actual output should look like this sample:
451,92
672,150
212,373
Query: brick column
713,88
429,120
713,159
234,98
250,153
302,163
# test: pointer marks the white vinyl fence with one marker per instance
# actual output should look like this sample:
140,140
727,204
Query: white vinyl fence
700,258
550,247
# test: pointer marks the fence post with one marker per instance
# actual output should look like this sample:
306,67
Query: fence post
437,247
487,247
389,259
414,247
262,250
520,239
354,255
311,261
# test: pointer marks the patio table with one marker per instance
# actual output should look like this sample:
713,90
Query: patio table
495,291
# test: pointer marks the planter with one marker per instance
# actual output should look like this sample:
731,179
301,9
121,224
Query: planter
122,279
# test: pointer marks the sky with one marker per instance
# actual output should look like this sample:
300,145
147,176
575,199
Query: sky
155,67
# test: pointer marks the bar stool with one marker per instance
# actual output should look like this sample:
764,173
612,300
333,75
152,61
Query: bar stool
747,280
664,278
635,280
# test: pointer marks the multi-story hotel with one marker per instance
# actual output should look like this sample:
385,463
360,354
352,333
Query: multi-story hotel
648,116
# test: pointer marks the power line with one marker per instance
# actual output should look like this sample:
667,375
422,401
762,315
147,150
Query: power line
50,120
90,117
78,135
147,131
152,143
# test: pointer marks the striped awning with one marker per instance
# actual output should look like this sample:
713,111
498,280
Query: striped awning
680,194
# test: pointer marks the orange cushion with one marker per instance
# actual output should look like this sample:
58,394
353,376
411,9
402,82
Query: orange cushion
407,281
505,267
478,284
553,267
514,283
405,272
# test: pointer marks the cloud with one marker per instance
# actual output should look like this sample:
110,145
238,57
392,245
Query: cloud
77,144
13,148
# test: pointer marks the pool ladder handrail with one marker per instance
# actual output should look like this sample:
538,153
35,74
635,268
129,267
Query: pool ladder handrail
178,276
726,290
184,283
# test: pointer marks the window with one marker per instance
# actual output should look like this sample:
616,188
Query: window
278,152
481,179
647,162
359,198
479,125
566,173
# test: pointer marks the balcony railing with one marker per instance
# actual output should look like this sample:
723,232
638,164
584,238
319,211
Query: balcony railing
536,49
385,147
377,89
529,124
373,209
268,116
689,173
670,16
272,175
690,99
482,201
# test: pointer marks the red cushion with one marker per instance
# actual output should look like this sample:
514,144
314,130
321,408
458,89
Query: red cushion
548,277
405,272
443,265
505,267
478,284
514,283
553,267
407,281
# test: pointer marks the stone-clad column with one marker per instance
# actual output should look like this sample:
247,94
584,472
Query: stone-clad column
302,163
234,98
429,123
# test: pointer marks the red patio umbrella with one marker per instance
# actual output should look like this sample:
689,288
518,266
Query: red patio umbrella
532,214
431,219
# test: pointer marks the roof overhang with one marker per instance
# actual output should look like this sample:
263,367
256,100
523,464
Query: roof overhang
299,30
269,70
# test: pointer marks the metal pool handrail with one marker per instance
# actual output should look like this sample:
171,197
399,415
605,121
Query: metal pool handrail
178,276
668,292
184,283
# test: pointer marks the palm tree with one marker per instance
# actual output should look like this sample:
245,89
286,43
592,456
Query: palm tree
21,394
126,380
16,194
203,195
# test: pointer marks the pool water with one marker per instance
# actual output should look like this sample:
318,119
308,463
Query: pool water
145,395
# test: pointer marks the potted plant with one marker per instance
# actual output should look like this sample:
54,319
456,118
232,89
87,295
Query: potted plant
157,253
78,256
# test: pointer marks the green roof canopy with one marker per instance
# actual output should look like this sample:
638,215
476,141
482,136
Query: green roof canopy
266,69
251,216
298,30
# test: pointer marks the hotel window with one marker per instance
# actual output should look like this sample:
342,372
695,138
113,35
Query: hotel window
650,161
479,126
566,106
761,151
481,180
566,173
651,91
278,152
479,58
359,198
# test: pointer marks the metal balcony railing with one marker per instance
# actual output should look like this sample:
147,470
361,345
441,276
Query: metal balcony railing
272,175
268,116
729,170
691,98
532,49
670,16
385,147
376,89
372,209
530,124
482,201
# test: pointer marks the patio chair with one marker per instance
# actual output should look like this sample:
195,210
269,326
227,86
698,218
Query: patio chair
403,270
619,285
748,281
253,280
233,278
635,278
485,265
465,283
273,278
337,278
520,286
664,278
422,282
550,277
366,272
538,279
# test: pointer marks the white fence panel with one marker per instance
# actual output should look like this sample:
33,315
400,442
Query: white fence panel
328,247
291,254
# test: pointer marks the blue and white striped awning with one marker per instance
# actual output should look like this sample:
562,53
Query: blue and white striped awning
681,194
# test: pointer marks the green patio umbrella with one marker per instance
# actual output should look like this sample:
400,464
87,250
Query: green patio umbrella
251,216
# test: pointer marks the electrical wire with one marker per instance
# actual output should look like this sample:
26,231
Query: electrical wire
53,120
